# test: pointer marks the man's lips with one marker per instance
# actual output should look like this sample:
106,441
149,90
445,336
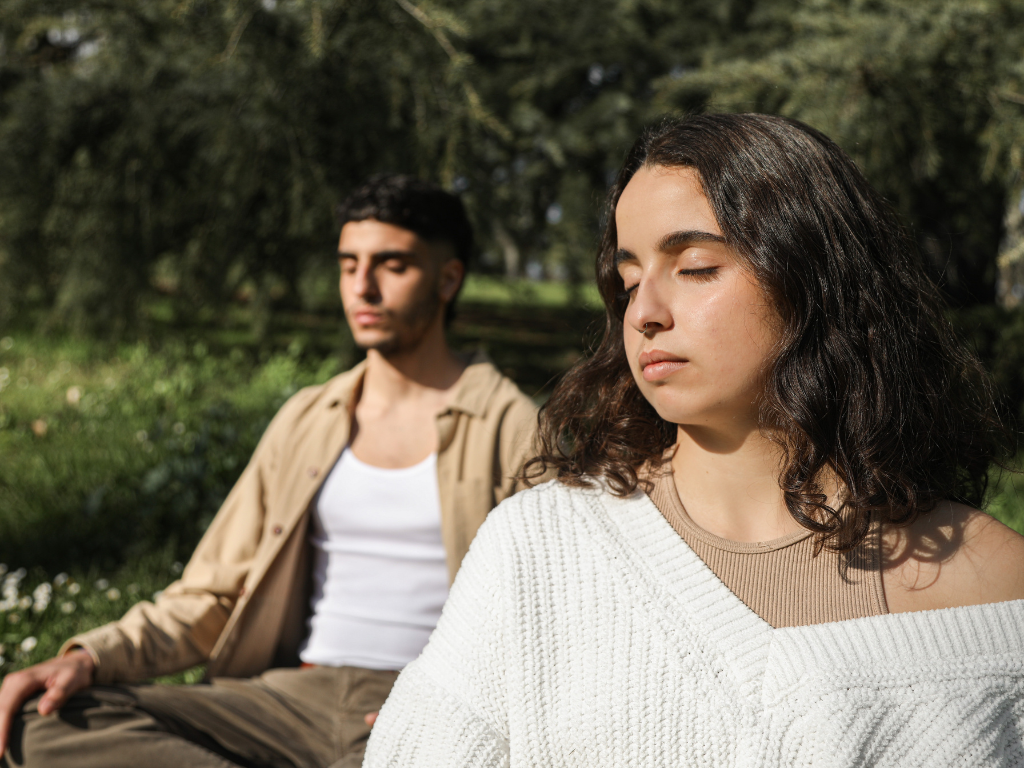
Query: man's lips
367,317
657,365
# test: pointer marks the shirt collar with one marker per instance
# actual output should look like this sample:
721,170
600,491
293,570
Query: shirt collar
472,394
476,385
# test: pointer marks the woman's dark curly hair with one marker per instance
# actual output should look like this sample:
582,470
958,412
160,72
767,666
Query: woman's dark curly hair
870,384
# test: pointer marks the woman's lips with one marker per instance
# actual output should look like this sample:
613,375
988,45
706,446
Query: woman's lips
657,365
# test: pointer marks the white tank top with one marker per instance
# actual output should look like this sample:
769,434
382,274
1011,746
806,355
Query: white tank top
379,575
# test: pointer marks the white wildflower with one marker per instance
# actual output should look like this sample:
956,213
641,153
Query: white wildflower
6,343
25,603
28,644
101,584
113,594
3,568
133,589
142,436
177,567
60,580
179,428
68,606
74,588
73,395
42,592
14,618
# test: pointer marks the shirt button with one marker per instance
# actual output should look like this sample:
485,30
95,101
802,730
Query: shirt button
312,471
277,530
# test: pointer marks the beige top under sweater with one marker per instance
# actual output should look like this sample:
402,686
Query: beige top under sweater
781,580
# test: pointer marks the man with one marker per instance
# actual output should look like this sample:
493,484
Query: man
335,548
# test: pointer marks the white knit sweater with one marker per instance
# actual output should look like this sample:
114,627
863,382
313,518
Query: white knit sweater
583,631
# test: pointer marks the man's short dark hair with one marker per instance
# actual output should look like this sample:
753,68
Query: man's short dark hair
419,206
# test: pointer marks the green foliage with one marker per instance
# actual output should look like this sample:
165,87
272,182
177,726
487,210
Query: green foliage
111,454
924,94
206,142
113,451
196,148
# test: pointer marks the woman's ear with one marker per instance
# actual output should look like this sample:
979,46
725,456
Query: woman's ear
452,273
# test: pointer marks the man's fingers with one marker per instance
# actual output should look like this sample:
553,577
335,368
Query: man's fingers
16,688
60,677
370,718
65,681
54,698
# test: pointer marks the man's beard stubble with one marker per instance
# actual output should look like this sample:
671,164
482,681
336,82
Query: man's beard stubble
408,327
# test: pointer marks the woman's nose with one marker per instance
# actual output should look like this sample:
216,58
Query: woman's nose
647,312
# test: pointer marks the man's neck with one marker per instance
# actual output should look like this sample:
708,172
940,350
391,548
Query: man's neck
425,371
394,419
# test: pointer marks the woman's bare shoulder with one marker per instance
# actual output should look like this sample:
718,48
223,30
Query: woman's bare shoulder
951,557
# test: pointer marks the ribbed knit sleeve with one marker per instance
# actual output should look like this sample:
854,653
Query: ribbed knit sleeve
448,707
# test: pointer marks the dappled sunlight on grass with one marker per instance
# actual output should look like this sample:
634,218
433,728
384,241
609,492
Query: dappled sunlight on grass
494,290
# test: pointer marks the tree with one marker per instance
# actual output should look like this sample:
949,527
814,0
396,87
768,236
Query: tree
199,146
922,93
207,140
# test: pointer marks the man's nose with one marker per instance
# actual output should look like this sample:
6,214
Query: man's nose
365,282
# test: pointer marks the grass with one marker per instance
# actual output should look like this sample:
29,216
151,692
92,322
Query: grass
114,460
114,457
38,612
490,291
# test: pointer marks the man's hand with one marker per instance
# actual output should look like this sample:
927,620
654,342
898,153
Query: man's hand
61,678
370,718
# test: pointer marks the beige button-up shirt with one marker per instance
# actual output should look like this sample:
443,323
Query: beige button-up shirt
242,601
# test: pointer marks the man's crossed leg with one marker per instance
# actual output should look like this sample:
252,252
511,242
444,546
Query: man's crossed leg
302,717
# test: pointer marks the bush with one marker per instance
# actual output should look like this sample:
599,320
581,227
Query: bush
111,454
997,335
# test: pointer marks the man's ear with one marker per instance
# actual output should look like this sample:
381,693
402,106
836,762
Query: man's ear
452,273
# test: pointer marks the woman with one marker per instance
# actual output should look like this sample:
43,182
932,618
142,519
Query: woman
767,472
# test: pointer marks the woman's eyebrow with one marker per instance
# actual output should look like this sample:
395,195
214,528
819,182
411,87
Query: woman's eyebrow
622,255
686,236
672,240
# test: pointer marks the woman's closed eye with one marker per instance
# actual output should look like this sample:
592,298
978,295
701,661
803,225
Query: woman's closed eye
703,274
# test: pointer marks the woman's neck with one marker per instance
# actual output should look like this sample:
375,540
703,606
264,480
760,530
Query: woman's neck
729,483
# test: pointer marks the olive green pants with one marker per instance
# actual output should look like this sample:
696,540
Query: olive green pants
294,718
